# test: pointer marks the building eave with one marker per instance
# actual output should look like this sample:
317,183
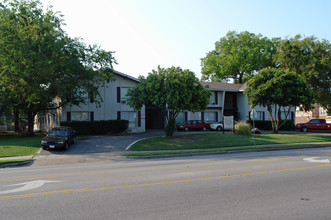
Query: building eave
126,76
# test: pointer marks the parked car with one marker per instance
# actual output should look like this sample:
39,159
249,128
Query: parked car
59,137
314,125
193,125
218,126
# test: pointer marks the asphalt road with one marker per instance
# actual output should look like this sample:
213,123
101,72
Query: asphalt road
292,184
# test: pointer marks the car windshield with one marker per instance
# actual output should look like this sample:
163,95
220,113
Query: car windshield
58,133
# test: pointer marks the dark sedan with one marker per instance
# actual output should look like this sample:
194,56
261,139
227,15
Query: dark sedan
59,137
193,125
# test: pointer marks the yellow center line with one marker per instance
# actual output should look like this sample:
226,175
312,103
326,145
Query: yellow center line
20,196
151,169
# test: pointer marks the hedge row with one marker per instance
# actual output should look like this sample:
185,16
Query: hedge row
97,127
266,125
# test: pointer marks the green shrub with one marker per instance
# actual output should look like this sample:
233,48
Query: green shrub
97,127
266,125
243,128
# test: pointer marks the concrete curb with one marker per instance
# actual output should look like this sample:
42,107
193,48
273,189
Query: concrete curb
130,145
28,159
225,152
16,164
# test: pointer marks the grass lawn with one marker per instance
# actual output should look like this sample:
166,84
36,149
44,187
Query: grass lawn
218,140
15,145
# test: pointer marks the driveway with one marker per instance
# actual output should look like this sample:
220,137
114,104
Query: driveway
97,149
104,143
93,149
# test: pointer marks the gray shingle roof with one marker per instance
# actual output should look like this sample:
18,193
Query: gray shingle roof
218,86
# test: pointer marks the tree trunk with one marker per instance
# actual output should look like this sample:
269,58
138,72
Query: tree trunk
31,116
16,120
273,123
286,115
170,127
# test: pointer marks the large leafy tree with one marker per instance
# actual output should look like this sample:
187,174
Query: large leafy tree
173,90
41,67
238,56
278,90
311,59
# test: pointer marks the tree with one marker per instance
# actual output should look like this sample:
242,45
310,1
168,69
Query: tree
278,88
311,59
41,67
238,56
173,90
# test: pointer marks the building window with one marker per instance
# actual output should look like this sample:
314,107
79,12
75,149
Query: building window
118,115
213,98
131,117
124,97
91,116
259,115
180,119
210,116
79,116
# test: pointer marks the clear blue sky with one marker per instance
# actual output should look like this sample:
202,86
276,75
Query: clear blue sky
148,33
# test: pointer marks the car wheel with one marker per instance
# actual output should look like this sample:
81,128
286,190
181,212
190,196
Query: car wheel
219,128
186,129
304,129
204,129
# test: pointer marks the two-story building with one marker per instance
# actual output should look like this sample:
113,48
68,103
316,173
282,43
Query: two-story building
113,107
228,100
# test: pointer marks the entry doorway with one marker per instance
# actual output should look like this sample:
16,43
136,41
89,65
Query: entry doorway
154,118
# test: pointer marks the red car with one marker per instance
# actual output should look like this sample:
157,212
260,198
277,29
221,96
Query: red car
193,125
314,125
